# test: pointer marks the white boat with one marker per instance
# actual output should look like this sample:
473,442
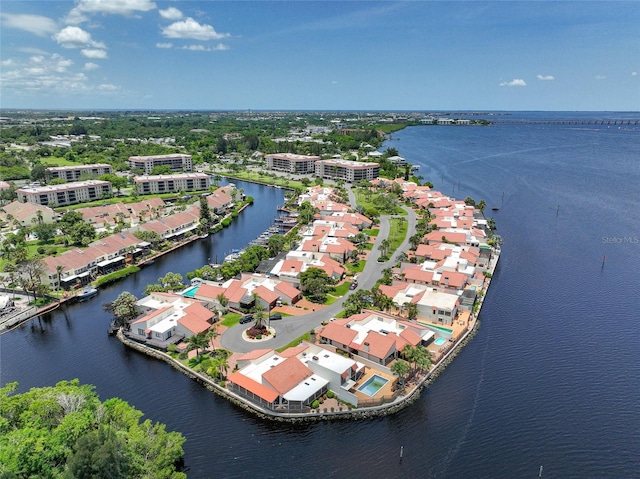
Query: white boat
86,293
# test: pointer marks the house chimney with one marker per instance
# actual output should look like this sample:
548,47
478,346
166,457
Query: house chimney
366,347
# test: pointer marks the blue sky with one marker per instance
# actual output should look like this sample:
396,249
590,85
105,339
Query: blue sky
329,55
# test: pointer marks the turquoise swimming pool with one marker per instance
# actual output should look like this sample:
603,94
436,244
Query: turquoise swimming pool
191,292
373,385
439,341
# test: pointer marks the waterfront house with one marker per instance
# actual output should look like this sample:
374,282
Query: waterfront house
169,318
291,380
374,336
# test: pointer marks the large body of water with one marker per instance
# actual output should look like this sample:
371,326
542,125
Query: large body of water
552,377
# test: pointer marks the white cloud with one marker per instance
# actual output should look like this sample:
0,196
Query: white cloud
107,87
514,82
171,13
49,73
600,77
126,8
91,66
189,28
36,24
203,48
634,74
76,37
95,53
164,45
545,77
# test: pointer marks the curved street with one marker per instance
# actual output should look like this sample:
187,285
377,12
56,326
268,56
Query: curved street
291,327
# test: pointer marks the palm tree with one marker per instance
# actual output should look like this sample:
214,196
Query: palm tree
197,341
481,206
412,311
222,299
259,317
384,247
59,270
211,336
400,368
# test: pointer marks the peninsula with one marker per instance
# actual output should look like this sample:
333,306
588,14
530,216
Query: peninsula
401,295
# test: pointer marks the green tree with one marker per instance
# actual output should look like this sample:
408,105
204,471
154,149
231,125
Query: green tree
161,170
315,283
198,342
98,455
123,308
400,369
205,214
171,281
65,431
82,234
44,231
275,244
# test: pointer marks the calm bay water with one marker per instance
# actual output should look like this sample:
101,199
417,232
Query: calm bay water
552,377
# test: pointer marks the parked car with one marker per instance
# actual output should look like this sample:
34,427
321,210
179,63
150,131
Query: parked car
353,285
246,319
275,316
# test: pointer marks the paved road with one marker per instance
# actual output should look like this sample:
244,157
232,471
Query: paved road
292,327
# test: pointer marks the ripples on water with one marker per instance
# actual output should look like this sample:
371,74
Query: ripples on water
552,377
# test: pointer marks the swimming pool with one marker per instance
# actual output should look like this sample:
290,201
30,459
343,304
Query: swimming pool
373,385
191,292
439,341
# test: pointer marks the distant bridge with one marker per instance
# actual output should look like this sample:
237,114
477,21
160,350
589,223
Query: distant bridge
584,121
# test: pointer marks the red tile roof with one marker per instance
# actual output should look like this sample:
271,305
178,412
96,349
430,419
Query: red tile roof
338,333
253,387
379,345
266,294
209,291
287,289
287,375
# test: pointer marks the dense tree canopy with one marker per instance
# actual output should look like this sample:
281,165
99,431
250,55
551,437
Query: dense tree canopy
66,432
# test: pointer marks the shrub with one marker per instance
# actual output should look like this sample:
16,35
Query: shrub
41,250
330,394
172,348
259,336
315,404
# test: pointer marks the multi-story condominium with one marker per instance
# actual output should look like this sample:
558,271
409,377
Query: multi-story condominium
177,162
148,184
292,163
65,194
73,173
349,171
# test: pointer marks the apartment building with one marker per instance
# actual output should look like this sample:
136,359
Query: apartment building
349,171
65,194
177,162
292,163
73,173
150,184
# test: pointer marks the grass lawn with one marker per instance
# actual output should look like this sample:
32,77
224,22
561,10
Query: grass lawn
264,178
295,342
356,269
397,232
330,299
367,199
230,319
371,232
342,289
57,161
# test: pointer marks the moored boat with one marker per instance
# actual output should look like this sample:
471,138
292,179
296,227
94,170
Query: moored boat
87,293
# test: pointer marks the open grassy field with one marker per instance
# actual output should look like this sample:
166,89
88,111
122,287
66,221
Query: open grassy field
57,161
